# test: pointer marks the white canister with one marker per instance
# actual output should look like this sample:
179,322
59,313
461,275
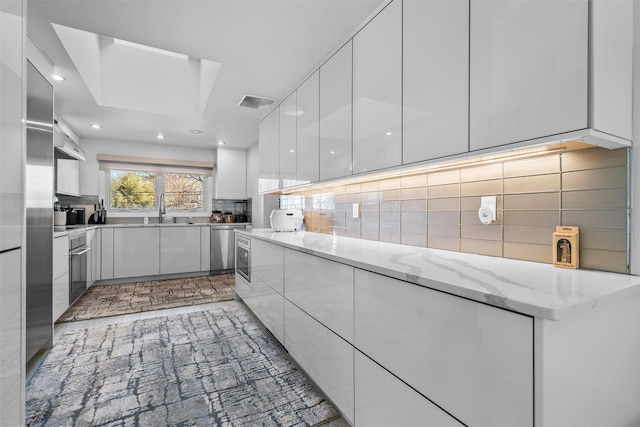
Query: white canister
59,218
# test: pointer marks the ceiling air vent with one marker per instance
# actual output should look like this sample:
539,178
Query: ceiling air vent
255,102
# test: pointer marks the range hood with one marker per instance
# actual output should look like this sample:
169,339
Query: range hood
64,144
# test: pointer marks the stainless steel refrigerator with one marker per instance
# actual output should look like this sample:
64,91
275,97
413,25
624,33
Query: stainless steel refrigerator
39,211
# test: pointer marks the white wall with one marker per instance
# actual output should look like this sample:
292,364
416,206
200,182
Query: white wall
93,181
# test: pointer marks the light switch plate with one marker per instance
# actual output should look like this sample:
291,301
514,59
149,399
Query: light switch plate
356,209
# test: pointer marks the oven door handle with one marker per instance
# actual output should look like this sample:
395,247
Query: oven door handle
82,252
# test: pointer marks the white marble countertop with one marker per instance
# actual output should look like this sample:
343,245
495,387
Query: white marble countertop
531,288
72,229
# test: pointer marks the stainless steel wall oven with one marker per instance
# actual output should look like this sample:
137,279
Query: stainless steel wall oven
243,257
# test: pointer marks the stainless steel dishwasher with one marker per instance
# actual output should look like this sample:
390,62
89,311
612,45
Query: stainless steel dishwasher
223,251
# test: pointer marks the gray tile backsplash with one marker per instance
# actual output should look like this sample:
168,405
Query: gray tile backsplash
585,188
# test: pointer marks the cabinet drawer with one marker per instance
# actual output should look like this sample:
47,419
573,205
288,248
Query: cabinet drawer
473,360
267,264
382,400
266,304
322,288
325,357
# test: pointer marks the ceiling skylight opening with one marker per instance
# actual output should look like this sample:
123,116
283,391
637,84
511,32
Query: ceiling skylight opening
151,49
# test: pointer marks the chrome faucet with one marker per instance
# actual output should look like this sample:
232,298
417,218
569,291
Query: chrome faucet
161,209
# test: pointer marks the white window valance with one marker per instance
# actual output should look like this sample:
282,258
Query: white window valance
148,164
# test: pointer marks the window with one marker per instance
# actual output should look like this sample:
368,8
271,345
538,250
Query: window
136,183
183,191
132,189
140,190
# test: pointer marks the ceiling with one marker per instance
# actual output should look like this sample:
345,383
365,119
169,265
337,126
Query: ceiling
263,48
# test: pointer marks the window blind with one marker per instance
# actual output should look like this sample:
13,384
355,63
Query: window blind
148,164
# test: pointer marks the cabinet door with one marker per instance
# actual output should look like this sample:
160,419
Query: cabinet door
377,92
96,254
12,102
106,259
325,357
473,360
529,69
231,174
60,257
68,177
335,114
435,73
269,148
136,252
265,303
382,400
322,288
11,335
179,249
60,295
90,256
267,264
308,130
205,248
288,152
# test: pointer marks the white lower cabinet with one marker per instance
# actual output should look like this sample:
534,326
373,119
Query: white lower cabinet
179,249
322,288
473,360
94,256
266,304
382,400
60,296
267,264
12,337
325,357
135,252
205,248
60,290
106,252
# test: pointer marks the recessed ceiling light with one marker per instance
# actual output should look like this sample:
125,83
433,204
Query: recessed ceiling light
196,131
96,126
389,133
221,142
58,78
332,152
292,151
160,136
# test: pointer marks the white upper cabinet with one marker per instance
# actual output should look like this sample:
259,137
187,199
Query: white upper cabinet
287,159
308,130
612,58
269,136
68,177
377,92
528,70
435,55
230,174
335,114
